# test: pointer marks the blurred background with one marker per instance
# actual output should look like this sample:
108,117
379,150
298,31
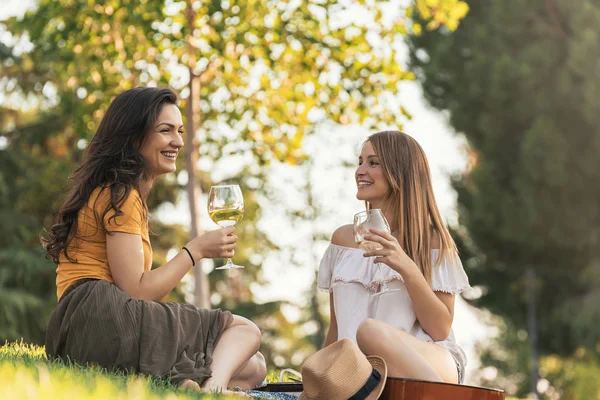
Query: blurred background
278,97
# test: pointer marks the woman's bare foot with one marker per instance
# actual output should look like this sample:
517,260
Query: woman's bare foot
212,386
189,384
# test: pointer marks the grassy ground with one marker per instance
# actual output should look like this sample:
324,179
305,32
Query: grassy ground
26,373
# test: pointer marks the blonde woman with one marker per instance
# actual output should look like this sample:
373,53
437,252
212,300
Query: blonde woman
411,325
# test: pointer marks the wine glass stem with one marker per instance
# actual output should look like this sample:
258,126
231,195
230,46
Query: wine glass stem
384,286
229,263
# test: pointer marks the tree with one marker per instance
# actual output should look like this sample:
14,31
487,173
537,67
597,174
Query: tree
517,79
260,75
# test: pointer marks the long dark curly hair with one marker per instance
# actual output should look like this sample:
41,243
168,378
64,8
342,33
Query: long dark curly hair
112,160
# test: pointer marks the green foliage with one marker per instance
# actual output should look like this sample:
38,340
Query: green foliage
517,78
27,291
569,378
508,355
267,70
576,376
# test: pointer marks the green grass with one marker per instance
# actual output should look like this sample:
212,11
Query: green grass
25,372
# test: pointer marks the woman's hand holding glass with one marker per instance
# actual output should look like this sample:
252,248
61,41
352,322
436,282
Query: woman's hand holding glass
364,222
219,243
390,252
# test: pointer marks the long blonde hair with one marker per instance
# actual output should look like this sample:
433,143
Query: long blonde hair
416,215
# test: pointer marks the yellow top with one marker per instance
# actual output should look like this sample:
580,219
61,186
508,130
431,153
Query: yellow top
88,247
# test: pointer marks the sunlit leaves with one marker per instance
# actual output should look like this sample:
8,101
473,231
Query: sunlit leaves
87,52
274,67
273,70
438,13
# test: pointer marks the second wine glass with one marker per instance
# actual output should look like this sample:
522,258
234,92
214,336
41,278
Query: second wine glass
371,219
226,208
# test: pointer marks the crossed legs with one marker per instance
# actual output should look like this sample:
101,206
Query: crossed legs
405,355
236,360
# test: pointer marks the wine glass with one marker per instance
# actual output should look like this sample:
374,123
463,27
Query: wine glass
371,219
226,208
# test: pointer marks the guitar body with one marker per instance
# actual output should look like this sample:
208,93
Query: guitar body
412,389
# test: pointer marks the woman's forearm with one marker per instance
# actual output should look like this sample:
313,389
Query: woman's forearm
126,261
332,335
434,316
157,283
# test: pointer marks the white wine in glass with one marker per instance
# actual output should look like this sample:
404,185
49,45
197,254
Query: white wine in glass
371,219
226,218
367,245
226,208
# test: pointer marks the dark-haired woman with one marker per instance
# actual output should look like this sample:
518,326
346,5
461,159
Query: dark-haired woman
109,311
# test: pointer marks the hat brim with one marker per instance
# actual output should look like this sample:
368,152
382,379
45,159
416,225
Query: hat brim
380,366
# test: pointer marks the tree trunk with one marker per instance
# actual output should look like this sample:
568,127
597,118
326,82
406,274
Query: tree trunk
201,286
532,327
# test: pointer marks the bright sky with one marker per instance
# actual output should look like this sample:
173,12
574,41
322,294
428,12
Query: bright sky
334,191
14,7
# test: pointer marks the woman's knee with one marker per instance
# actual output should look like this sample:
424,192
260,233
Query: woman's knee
369,334
369,328
253,333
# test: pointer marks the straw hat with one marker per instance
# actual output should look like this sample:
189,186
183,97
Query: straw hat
341,371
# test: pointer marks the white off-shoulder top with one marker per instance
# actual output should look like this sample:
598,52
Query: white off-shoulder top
353,279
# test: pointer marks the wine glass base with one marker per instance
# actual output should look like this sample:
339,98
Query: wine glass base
231,266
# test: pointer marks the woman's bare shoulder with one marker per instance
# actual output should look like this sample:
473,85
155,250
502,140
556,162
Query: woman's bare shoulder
344,236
